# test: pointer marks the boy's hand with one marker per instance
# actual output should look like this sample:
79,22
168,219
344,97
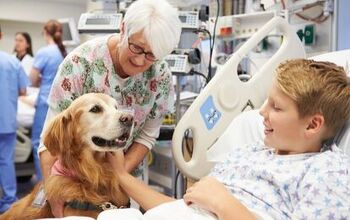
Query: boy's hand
201,194
117,161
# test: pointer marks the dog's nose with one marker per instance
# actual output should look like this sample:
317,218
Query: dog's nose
126,119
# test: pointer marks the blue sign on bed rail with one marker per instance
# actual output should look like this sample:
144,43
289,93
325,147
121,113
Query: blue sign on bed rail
210,113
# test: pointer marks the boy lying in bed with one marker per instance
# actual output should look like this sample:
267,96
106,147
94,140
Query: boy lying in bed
294,174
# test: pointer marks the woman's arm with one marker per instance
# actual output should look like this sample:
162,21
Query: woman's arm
141,145
134,155
212,195
46,159
145,196
46,163
22,92
35,77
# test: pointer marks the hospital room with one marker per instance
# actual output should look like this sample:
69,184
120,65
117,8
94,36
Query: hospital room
174,109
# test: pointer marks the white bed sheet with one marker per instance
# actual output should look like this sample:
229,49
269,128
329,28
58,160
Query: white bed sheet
25,112
166,212
161,212
68,218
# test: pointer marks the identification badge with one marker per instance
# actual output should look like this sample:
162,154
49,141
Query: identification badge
40,198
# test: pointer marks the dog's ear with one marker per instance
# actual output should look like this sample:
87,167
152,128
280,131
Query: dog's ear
57,134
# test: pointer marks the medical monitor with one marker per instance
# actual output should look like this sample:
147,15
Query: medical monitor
93,23
70,35
189,19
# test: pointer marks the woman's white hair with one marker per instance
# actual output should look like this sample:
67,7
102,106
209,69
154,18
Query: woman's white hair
158,21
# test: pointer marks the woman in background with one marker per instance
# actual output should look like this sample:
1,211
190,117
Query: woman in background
23,50
45,66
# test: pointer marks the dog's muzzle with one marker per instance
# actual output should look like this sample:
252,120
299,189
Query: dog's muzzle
127,122
119,142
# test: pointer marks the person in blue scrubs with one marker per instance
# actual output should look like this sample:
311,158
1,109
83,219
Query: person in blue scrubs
13,83
45,66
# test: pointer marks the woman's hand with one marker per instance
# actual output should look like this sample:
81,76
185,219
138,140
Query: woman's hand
207,193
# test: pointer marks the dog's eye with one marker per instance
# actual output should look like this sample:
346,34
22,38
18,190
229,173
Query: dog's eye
96,109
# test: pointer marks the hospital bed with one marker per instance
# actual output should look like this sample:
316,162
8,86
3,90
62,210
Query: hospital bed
25,117
226,96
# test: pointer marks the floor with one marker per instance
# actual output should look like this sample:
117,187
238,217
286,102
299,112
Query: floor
24,181
23,188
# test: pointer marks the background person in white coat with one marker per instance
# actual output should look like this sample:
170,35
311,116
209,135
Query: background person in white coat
23,50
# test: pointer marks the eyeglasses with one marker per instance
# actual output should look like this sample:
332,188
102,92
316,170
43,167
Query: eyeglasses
139,50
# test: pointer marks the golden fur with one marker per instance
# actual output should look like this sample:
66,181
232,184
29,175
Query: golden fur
69,137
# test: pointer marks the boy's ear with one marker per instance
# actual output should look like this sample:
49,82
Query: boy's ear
316,124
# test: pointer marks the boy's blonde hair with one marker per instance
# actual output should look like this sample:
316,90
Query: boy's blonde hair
317,87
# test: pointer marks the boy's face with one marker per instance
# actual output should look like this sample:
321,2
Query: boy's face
284,129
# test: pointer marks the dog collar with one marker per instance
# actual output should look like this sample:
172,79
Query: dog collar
87,206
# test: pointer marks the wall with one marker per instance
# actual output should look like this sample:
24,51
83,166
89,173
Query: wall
343,27
9,28
30,15
40,10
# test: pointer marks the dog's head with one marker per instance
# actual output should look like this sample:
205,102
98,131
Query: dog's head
90,125
93,120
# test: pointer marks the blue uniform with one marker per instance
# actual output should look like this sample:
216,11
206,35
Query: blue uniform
12,79
46,61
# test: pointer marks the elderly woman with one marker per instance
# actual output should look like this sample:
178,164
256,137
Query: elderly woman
128,67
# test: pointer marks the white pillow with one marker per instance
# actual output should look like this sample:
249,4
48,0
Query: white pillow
245,129
342,140
341,58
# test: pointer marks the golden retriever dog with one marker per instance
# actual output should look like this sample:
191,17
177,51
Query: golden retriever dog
79,137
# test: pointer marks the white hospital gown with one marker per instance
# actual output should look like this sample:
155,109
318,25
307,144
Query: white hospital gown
301,186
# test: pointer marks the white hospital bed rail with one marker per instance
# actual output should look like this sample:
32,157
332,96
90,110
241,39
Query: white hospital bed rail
226,96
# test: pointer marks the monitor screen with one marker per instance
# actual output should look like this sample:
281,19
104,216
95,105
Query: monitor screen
170,62
182,18
97,21
70,35
66,33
